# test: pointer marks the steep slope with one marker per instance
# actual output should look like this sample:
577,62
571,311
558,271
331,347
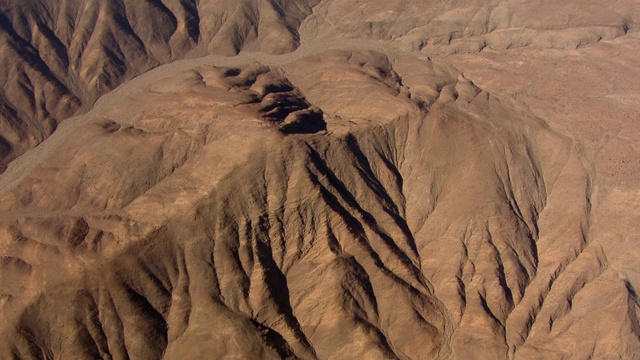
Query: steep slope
60,55
597,108
430,219
389,195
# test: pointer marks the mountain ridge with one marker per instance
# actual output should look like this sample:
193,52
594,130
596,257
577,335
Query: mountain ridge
350,198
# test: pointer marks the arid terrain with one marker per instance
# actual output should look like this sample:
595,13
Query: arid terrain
319,179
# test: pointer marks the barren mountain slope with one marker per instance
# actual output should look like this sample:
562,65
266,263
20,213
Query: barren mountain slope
354,198
470,26
60,55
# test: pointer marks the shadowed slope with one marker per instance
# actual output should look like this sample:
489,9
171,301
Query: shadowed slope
60,56
430,219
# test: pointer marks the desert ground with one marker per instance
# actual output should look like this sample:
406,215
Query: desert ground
319,179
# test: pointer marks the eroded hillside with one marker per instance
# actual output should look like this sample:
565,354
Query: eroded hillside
59,56
375,193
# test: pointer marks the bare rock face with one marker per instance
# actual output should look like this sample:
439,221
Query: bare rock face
360,181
